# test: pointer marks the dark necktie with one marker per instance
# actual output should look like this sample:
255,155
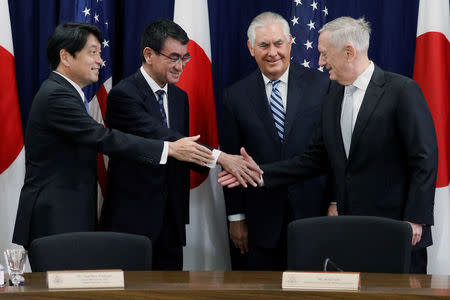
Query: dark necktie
86,104
160,94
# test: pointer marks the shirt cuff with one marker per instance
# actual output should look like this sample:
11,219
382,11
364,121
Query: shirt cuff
165,154
333,203
236,217
215,154
261,181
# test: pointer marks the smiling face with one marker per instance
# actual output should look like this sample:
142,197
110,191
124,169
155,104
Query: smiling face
84,67
271,50
335,60
160,67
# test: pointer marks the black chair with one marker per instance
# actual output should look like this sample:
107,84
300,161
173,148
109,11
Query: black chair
352,243
91,250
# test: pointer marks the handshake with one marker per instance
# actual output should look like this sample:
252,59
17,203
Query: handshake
238,169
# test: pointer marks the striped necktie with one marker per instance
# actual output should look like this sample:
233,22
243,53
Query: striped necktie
277,108
160,94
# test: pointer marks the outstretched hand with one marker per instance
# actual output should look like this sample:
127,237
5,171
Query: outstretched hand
187,149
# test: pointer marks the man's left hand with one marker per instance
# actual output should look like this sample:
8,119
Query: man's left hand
416,232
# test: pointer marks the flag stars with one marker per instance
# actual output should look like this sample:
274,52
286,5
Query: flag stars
314,5
311,25
308,44
106,24
305,63
96,18
320,68
105,43
104,64
293,40
294,21
86,11
297,2
325,11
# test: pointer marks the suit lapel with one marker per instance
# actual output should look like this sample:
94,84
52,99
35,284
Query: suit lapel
258,97
337,95
61,80
147,95
372,96
294,98
176,117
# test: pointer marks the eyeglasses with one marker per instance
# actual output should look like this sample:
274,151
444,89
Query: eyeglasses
176,58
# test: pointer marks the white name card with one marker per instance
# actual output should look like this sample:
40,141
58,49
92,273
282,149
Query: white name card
321,281
85,279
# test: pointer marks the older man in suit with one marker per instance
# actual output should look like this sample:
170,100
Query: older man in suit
376,135
154,200
272,113
61,142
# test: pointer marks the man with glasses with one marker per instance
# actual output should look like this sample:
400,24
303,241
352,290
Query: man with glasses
154,201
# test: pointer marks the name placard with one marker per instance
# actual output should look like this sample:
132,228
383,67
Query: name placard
321,281
85,279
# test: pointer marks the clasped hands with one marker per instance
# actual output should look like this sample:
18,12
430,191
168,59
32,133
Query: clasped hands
238,169
249,173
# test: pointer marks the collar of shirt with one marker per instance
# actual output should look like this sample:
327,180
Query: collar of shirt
361,84
153,85
363,80
76,86
282,86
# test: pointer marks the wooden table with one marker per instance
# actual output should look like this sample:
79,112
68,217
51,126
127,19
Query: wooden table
235,285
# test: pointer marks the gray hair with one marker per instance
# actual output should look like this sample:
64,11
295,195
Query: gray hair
348,30
264,19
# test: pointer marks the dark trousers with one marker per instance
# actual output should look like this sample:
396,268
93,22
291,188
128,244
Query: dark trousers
263,258
167,252
419,261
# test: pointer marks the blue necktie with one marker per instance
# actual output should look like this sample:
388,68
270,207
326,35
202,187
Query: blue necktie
277,108
160,94
86,104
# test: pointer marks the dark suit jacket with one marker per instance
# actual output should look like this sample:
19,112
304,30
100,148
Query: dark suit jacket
61,145
248,122
392,165
137,195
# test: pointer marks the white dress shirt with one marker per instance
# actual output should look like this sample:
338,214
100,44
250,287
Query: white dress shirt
361,84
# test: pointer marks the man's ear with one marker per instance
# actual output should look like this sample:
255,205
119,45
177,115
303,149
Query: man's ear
250,48
147,53
350,52
64,57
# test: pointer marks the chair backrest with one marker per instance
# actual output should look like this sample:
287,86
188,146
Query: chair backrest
91,250
354,243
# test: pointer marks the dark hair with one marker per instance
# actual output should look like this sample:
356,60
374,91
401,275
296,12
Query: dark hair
69,36
156,33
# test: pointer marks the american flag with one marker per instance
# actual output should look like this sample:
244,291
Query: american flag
95,12
307,17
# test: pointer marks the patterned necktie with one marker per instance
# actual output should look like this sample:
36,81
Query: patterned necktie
160,94
347,118
86,104
277,108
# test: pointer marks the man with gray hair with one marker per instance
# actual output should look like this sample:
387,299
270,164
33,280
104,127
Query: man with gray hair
272,113
376,136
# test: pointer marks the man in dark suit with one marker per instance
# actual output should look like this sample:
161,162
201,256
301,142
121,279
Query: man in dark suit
258,223
61,143
154,200
376,135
